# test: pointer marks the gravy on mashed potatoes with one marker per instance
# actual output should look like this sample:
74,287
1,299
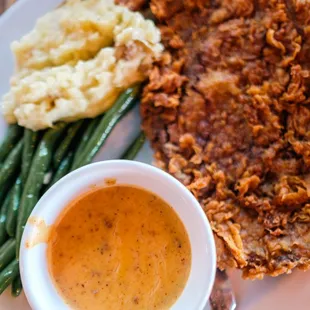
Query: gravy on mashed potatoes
76,61
119,247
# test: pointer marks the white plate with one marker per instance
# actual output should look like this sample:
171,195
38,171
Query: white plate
285,292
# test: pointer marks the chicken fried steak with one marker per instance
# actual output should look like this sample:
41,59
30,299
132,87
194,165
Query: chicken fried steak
227,110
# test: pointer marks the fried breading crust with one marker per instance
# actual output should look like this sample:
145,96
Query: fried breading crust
227,111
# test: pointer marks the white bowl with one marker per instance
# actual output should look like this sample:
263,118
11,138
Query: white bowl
38,285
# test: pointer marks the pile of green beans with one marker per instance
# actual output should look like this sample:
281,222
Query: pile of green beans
26,157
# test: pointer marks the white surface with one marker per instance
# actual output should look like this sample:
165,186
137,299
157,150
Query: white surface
33,262
283,293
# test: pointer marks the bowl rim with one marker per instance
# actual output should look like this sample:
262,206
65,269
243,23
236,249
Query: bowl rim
26,264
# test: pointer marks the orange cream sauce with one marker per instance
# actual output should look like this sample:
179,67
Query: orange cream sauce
119,247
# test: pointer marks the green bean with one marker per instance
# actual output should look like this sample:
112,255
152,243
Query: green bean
122,105
63,148
40,165
63,169
90,128
7,252
1,195
1,191
11,166
135,147
13,135
8,274
3,213
30,142
13,208
17,286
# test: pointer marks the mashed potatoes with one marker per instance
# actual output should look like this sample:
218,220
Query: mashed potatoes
76,61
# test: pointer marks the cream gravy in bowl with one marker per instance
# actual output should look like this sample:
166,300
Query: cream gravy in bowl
112,235
139,242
